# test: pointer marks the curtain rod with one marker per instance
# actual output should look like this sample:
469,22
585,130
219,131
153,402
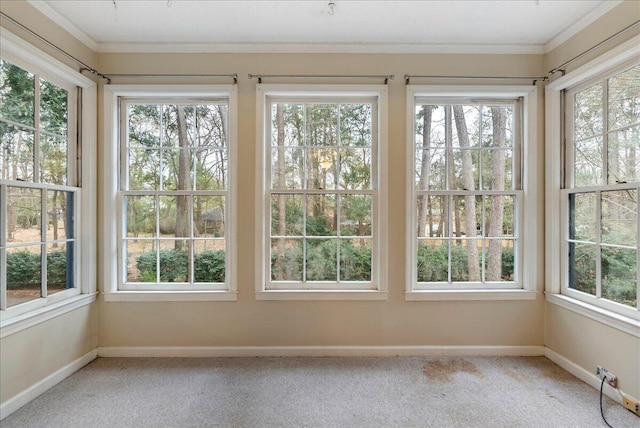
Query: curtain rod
329,76
85,67
234,76
407,77
561,66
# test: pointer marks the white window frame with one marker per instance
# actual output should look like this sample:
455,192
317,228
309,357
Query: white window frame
525,286
376,289
557,291
114,288
21,53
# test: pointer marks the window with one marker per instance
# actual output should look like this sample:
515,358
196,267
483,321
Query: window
466,192
175,149
41,194
321,208
601,188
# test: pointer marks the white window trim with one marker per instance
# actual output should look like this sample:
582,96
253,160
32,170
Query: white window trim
379,257
554,215
110,179
20,317
528,229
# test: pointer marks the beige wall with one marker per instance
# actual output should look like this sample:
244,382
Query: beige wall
248,322
33,354
583,341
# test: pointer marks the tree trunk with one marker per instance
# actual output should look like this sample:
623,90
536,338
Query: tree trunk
496,213
184,182
469,200
424,171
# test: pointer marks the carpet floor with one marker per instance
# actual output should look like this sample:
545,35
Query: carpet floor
321,392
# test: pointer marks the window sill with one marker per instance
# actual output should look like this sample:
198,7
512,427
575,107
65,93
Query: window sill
619,322
171,296
436,295
45,313
321,295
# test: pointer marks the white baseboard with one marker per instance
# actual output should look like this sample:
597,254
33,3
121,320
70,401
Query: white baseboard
319,351
22,398
585,375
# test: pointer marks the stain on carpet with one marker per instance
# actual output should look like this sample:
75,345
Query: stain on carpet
444,370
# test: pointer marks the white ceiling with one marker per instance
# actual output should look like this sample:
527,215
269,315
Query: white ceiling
516,26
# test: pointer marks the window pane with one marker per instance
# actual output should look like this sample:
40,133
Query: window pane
59,257
53,108
144,169
466,169
144,126
497,126
624,155
433,260
587,169
433,216
24,214
588,112
211,170
286,259
619,275
499,260
175,215
355,125
141,216
174,261
141,260
53,160
322,168
177,165
24,267
582,216
624,98
321,215
466,260
58,212
178,127
321,261
582,267
209,261
499,216
209,216
287,215
497,169
355,215
212,126
17,94
17,153
620,217
287,125
287,168
467,216
322,125
355,168
430,169
355,260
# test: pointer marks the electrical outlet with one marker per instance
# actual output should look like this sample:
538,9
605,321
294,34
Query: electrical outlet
631,404
603,373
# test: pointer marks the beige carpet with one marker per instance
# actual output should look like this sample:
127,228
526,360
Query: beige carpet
321,392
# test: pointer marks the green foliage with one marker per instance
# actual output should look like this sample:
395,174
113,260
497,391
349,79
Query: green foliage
23,268
209,266
432,263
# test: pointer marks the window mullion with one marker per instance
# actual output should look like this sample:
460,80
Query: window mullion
605,133
44,219
37,125
598,231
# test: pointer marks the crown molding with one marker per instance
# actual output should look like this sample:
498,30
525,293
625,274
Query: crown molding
352,48
581,24
63,22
